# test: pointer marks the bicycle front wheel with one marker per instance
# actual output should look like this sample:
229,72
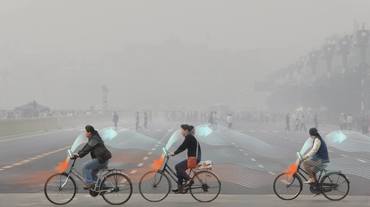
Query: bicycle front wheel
154,186
116,188
60,189
334,186
205,186
287,187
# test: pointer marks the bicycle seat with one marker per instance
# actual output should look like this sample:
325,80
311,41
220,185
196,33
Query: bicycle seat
105,169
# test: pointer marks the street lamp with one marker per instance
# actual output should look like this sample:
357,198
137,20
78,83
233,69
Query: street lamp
313,59
344,49
362,37
328,52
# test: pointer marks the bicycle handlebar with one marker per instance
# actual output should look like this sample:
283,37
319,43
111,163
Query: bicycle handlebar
71,155
165,152
299,156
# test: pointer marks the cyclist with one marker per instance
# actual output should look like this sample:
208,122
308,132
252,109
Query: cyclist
193,151
99,154
316,156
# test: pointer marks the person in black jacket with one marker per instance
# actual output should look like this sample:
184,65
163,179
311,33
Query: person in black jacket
99,154
193,150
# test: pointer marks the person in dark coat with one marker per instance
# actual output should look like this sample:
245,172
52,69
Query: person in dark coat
100,156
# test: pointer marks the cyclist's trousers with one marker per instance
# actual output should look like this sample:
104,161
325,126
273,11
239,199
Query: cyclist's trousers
181,168
91,169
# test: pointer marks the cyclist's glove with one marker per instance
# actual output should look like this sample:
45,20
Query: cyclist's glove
75,156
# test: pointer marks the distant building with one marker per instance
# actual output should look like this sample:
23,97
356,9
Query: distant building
32,109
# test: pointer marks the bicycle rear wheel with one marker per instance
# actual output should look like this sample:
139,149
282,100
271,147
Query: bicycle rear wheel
60,189
334,186
116,188
287,187
206,186
154,186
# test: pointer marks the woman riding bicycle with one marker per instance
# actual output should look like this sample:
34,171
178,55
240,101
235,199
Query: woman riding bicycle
194,156
318,155
99,154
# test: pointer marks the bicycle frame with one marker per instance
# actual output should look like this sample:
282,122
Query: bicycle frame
172,174
168,170
72,171
302,173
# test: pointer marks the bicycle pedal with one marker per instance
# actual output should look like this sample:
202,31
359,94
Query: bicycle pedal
316,194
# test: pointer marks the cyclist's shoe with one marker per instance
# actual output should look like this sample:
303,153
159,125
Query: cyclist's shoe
89,186
180,189
189,183
310,181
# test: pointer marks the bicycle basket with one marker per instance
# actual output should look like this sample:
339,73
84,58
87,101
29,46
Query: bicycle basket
205,165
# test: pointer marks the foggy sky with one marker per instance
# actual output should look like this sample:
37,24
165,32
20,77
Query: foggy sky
157,53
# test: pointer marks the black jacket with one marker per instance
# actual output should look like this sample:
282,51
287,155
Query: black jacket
190,143
95,146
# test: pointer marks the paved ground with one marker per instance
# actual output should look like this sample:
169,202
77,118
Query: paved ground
38,200
247,158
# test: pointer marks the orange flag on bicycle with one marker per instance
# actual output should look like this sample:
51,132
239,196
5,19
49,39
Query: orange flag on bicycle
62,166
157,164
292,169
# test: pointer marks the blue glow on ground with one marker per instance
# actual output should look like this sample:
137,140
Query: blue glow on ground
337,137
203,130
108,134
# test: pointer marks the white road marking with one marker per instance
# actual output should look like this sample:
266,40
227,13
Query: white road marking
133,172
241,150
254,160
246,154
31,136
24,161
22,134
149,153
153,149
145,158
360,160
16,164
19,163
343,155
271,173
261,166
140,164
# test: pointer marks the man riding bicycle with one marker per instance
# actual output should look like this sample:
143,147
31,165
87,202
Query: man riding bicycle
316,157
99,154
194,156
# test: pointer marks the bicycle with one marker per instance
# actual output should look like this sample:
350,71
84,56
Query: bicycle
288,186
114,186
155,185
